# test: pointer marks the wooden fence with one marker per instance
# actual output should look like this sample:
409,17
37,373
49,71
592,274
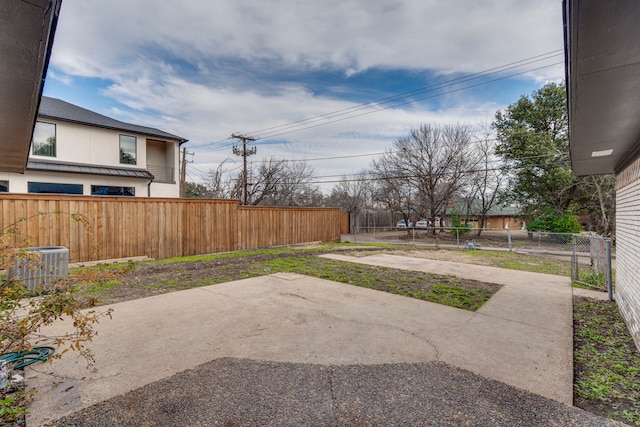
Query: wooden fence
96,228
345,223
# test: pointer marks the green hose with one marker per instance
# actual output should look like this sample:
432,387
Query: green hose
27,357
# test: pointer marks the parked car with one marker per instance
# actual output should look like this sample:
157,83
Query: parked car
403,224
423,223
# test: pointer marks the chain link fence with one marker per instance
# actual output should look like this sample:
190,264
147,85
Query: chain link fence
589,253
598,273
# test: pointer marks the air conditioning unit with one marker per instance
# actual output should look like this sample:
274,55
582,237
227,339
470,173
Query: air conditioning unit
48,265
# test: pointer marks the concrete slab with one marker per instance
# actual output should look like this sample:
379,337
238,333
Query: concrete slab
522,336
298,319
588,293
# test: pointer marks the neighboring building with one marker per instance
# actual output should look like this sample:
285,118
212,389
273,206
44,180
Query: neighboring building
497,217
602,44
77,151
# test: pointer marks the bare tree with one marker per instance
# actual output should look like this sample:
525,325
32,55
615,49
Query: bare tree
352,195
278,182
434,160
216,186
597,197
273,182
393,188
485,179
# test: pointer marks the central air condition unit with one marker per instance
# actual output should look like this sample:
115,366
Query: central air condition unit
47,266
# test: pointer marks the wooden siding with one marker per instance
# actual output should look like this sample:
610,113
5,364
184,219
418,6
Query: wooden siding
120,227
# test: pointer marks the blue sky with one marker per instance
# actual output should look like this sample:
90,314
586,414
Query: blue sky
204,69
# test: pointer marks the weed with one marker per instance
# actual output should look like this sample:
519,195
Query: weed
606,362
12,408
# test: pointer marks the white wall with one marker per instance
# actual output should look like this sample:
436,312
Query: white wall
164,190
100,147
18,183
627,286
85,144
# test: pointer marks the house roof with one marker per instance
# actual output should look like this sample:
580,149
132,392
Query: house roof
603,82
476,209
57,109
28,29
79,168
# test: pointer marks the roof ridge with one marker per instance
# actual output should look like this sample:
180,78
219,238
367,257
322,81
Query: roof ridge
63,110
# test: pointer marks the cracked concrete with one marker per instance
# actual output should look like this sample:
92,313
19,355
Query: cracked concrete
297,319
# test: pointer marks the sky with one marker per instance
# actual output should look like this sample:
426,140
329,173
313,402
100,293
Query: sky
331,82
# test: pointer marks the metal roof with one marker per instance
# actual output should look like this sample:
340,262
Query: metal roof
602,44
27,30
57,109
476,209
79,168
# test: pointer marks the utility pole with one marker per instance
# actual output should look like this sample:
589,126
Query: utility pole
244,152
183,173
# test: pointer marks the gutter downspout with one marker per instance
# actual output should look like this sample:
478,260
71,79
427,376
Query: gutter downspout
149,188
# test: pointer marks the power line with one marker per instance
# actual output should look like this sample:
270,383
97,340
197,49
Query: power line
399,97
406,102
302,124
378,178
494,160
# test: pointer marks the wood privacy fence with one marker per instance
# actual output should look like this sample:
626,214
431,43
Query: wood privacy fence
345,223
97,228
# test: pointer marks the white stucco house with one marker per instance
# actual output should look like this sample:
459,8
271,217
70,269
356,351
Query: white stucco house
78,151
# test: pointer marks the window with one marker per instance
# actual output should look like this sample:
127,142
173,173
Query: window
50,187
44,139
127,150
108,190
4,186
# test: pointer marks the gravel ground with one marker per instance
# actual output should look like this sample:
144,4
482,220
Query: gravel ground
237,392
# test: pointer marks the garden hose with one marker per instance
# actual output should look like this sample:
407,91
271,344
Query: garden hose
25,358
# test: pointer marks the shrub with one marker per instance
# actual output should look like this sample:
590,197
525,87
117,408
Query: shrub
553,222
24,314
459,229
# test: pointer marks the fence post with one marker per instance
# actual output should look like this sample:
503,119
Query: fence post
509,239
574,261
458,237
608,278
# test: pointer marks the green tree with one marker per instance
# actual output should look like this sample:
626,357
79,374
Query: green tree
556,223
533,142
194,190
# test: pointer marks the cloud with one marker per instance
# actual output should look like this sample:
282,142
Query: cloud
203,69
109,39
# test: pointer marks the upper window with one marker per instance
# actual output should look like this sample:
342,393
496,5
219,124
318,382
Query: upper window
4,186
128,149
44,139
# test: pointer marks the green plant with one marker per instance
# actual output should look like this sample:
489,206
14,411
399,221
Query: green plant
553,222
11,409
23,315
459,229
606,361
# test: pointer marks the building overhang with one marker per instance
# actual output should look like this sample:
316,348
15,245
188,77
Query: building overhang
84,169
28,28
602,46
